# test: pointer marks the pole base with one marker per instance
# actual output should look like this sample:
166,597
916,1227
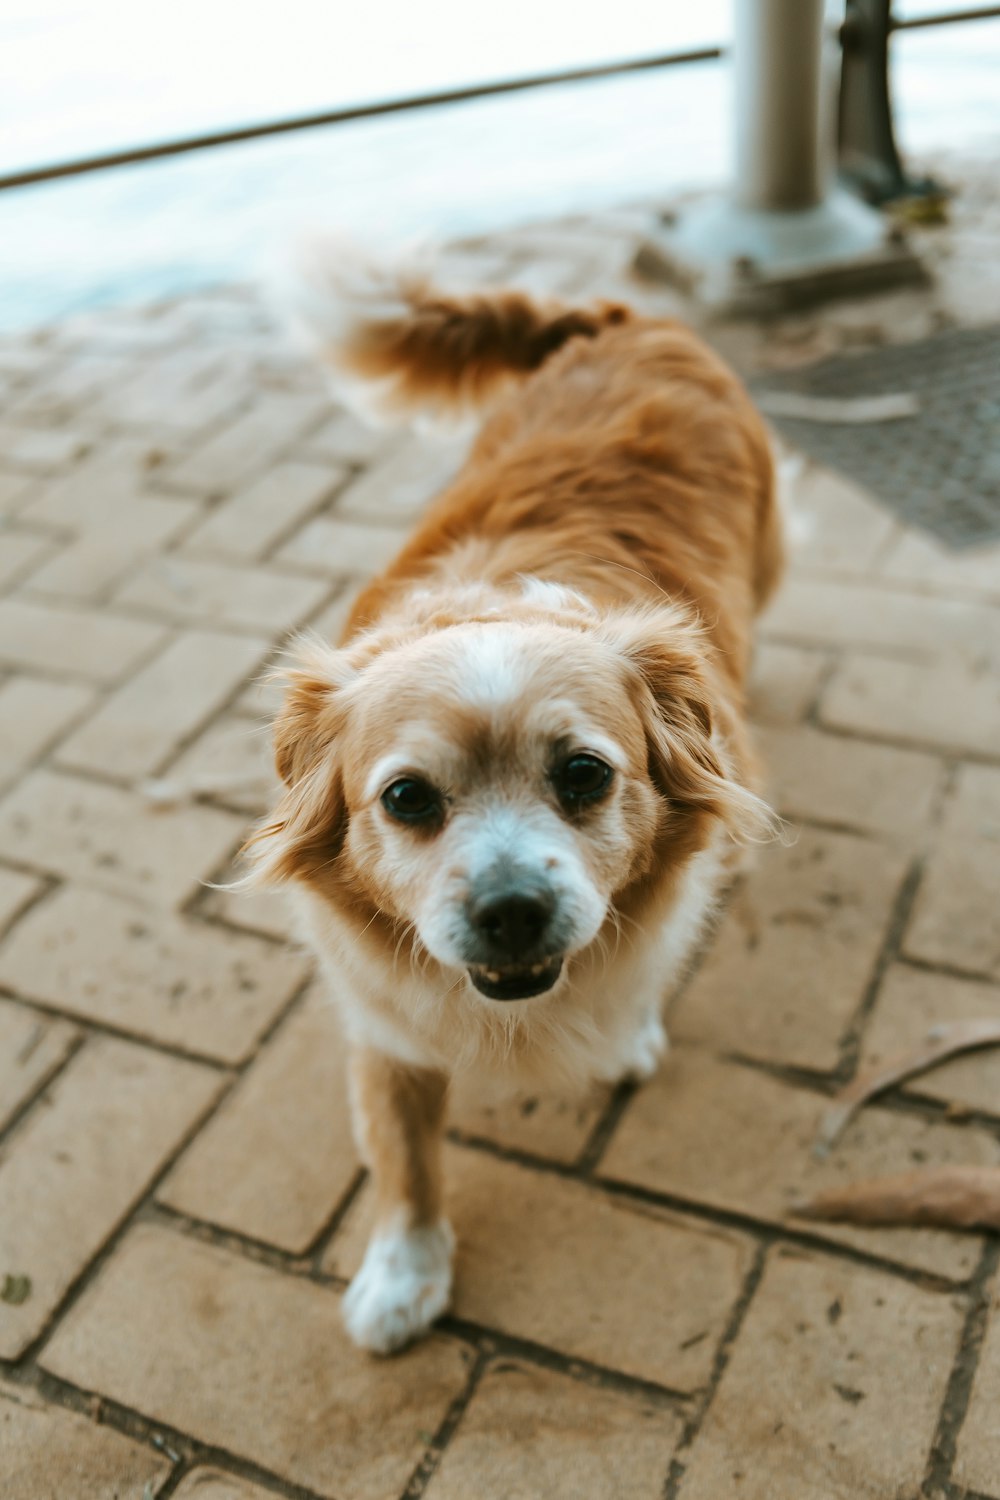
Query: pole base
739,261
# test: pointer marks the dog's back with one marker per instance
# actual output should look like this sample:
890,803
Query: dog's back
624,440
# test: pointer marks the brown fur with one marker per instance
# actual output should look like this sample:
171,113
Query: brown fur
450,351
399,1115
631,468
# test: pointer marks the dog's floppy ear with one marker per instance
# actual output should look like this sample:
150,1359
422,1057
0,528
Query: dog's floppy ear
671,679
310,821
306,724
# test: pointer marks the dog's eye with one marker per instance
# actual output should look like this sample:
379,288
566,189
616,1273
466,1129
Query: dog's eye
411,800
582,779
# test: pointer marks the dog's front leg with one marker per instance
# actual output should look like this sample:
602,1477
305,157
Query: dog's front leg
405,1279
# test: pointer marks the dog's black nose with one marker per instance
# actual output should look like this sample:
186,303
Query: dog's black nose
512,923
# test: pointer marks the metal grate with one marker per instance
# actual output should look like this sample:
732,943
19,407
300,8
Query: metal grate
939,469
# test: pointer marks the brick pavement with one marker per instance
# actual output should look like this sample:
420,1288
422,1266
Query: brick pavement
180,1202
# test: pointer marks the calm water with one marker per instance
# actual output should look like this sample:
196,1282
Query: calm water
78,78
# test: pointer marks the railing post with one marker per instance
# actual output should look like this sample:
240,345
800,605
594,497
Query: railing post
785,233
781,156
869,160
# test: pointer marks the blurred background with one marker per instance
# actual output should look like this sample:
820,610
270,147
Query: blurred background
82,79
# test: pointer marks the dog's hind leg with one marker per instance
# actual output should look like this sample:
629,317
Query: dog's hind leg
405,1279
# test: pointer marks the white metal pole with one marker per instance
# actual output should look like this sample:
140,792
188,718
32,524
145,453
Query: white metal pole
782,159
784,233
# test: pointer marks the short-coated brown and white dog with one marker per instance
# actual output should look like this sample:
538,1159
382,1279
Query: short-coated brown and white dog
515,789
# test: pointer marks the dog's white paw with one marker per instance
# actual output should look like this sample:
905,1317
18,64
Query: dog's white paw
404,1284
645,1051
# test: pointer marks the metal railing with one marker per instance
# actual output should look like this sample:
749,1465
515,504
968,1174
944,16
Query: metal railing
870,42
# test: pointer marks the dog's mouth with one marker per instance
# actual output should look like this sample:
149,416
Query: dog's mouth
516,981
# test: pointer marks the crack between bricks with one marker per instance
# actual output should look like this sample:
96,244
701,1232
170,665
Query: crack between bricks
901,742
959,1389
158,1436
722,1356
146,1199
95,1027
892,941
428,1463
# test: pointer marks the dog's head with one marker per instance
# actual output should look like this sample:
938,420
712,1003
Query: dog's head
490,784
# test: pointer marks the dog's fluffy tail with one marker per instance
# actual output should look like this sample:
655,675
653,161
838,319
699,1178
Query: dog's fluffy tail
386,329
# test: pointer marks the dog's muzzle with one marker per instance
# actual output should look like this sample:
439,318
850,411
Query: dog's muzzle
513,928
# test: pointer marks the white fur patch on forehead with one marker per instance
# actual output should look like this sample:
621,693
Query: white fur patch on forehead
492,667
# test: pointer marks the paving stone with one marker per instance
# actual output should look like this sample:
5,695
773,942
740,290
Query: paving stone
40,450
554,1261
758,1133
529,1433
31,1048
136,329
977,1461
833,524
259,600
249,443
212,1484
232,762
843,781
147,719
954,917
16,890
346,439
130,532
278,1157
33,715
398,488
548,1125
920,561
784,682
70,387
832,1391
26,356
80,1162
911,1002
256,1362
951,706
176,981
113,839
184,390
15,491
826,613
254,518
53,1454
21,553
335,547
793,957
113,477
72,642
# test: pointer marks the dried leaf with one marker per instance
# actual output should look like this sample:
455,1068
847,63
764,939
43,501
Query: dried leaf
943,1197
942,1042
15,1290
853,411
